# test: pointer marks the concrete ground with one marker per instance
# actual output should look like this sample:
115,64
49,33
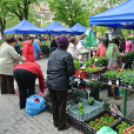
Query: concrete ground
15,121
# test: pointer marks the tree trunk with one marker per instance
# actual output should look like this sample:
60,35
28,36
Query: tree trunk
3,26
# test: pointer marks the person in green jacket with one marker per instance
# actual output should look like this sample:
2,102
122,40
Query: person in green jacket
113,46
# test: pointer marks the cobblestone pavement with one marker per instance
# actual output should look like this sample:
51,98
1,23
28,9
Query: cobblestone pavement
15,121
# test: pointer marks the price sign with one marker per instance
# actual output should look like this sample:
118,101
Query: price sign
117,82
129,86
109,82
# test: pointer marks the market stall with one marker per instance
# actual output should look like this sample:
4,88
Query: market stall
56,29
78,29
121,16
24,27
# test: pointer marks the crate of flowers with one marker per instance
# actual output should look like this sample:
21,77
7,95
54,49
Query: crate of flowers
95,123
127,79
113,77
121,126
129,130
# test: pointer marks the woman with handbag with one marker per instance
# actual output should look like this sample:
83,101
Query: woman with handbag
113,55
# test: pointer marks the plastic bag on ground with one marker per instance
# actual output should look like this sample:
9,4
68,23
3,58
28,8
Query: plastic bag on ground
34,105
106,130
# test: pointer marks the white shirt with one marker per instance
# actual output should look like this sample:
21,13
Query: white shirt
73,51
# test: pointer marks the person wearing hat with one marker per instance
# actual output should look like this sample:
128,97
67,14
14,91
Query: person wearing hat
101,51
60,67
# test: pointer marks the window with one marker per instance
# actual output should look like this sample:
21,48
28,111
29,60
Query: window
48,16
45,3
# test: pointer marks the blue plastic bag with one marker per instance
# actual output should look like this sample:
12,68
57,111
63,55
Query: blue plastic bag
34,107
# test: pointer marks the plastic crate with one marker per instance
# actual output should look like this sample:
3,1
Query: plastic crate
70,100
89,111
123,119
48,106
80,73
103,78
94,92
74,123
88,129
88,75
127,59
123,84
80,93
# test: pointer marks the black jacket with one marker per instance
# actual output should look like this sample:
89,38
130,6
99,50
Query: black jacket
17,48
60,67
54,44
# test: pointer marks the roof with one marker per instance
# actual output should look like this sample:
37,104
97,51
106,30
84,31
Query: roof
120,16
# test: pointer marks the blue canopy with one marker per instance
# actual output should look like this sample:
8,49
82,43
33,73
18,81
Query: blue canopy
78,29
56,28
120,16
24,27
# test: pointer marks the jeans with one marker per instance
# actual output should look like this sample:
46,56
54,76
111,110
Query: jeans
116,90
53,49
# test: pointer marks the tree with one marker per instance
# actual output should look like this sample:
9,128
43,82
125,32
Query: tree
70,11
19,7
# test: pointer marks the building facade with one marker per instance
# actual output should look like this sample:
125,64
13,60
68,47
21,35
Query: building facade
44,12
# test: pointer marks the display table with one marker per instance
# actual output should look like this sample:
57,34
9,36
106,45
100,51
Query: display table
125,95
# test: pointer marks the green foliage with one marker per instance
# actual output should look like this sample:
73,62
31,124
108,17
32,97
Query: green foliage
90,100
80,105
76,64
105,120
70,11
123,125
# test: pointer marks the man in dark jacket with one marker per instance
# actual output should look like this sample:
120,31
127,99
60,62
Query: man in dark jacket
53,44
17,48
60,67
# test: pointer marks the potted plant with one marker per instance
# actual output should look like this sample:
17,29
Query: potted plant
90,101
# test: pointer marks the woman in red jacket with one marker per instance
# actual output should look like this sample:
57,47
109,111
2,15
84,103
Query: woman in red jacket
28,50
25,75
101,51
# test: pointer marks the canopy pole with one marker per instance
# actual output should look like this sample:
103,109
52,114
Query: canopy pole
90,43
133,39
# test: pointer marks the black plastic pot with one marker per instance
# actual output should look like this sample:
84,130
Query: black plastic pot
91,103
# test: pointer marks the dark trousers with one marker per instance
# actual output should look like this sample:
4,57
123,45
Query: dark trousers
7,84
59,100
26,83
116,90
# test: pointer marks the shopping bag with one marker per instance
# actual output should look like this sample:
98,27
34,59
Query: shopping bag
106,130
34,105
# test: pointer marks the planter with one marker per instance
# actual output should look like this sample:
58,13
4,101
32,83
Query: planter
124,84
127,59
91,103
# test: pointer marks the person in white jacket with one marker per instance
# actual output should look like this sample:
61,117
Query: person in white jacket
83,51
72,48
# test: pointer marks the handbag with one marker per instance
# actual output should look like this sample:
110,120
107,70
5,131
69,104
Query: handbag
114,64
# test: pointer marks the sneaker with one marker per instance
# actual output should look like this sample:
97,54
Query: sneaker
67,126
117,98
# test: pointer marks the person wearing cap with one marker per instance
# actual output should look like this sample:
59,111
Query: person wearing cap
60,67
101,51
